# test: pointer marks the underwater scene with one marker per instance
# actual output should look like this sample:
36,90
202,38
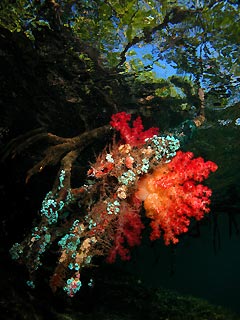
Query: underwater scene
119,150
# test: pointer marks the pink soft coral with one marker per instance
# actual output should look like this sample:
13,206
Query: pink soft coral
134,136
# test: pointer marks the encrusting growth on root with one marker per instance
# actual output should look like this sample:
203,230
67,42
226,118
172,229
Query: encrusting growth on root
103,216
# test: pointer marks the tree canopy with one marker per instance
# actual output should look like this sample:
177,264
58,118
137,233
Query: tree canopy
197,38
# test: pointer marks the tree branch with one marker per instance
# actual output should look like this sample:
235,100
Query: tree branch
201,116
64,147
174,16
64,150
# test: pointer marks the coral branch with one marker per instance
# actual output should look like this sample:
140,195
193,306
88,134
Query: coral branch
134,136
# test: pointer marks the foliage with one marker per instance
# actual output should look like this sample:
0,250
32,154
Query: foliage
21,15
196,37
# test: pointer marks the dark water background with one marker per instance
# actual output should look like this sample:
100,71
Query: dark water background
206,262
194,266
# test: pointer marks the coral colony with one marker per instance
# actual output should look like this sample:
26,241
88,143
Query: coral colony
104,216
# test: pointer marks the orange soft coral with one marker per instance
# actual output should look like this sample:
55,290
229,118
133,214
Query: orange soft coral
172,195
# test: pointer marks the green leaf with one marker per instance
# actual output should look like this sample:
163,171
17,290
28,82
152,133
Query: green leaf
129,33
147,56
131,53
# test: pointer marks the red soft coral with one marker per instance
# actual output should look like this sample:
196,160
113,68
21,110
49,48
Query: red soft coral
172,195
134,136
128,232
